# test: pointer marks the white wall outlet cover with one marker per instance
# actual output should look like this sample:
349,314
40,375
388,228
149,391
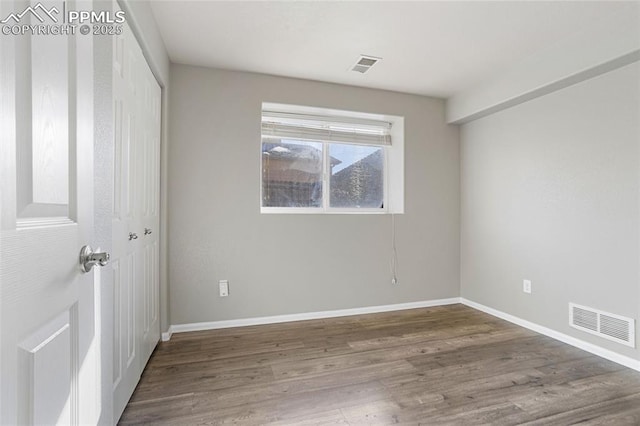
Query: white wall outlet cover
224,288
526,286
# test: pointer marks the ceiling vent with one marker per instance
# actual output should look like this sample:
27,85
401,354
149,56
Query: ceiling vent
609,326
365,63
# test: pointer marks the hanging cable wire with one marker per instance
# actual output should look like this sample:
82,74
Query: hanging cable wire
394,252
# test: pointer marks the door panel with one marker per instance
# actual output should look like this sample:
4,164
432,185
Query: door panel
44,120
135,217
44,390
126,365
117,328
50,120
150,220
50,353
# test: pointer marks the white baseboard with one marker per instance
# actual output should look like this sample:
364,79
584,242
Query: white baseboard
589,347
213,325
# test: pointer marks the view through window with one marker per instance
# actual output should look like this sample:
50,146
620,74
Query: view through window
324,163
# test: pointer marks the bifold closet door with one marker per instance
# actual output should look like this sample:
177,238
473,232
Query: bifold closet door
149,214
135,216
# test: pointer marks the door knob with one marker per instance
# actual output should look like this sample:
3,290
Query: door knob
133,236
147,231
88,258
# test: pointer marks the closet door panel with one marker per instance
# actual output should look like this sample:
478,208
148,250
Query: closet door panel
135,216
125,256
149,213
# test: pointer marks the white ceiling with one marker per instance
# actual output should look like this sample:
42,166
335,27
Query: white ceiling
430,48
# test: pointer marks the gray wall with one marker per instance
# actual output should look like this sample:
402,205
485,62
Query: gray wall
283,264
550,193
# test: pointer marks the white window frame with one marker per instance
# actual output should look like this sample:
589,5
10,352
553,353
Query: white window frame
393,170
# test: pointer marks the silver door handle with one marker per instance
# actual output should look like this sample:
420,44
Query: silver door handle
133,236
88,258
147,231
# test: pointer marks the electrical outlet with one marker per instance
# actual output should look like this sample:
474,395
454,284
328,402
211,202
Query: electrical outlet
526,286
224,288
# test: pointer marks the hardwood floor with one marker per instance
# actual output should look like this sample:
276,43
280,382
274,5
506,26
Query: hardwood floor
443,365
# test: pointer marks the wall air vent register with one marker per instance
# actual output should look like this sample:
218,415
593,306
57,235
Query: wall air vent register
609,326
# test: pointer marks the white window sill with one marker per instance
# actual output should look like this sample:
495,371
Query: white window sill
306,210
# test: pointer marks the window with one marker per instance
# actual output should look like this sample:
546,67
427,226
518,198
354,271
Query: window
329,163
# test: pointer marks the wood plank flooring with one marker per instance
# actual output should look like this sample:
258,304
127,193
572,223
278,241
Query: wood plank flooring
449,365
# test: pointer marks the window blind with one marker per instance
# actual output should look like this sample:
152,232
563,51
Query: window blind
286,125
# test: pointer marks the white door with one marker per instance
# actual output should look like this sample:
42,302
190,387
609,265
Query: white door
135,216
126,364
50,348
149,166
